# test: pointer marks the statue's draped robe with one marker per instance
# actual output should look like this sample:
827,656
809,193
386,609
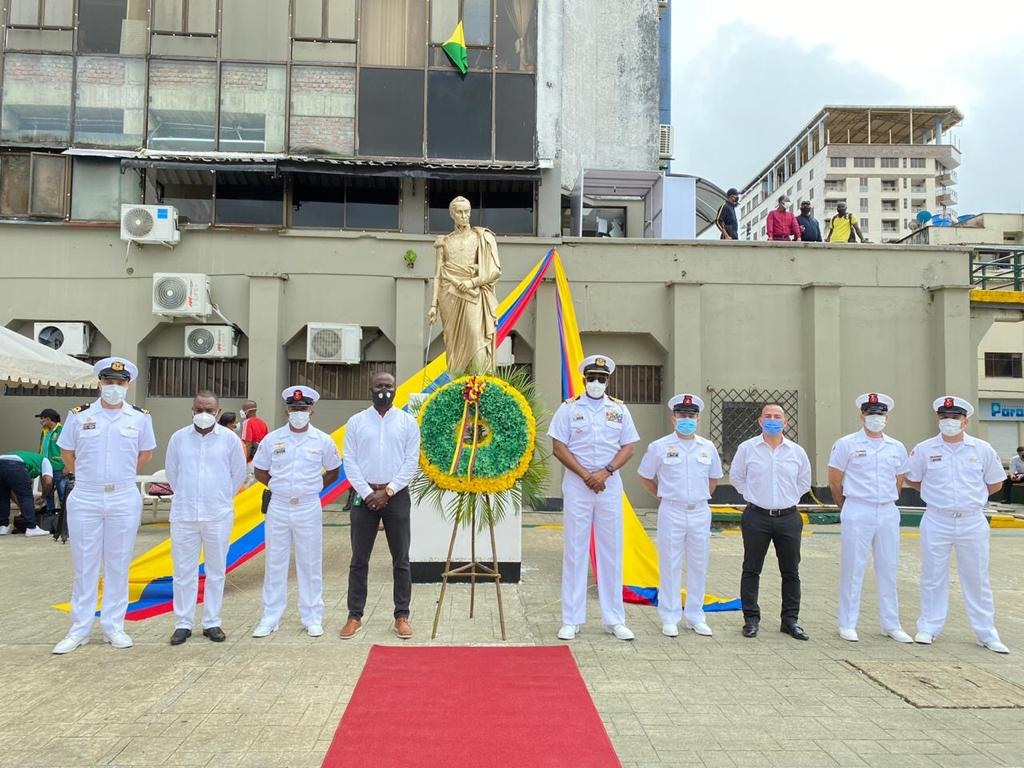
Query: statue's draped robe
469,317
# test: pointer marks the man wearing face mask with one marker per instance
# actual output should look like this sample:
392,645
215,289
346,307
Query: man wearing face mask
955,473
205,467
810,230
681,471
866,471
104,444
381,451
772,473
782,223
296,461
593,436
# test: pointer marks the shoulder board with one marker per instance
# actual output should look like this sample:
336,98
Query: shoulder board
140,410
80,408
573,399
615,399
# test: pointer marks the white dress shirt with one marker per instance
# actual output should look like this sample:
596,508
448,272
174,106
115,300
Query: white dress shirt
296,462
682,468
870,466
45,467
1016,465
593,429
381,449
205,473
955,475
770,479
107,442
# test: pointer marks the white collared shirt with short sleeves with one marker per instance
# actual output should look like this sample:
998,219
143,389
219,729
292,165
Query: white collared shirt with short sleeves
296,462
682,468
593,429
770,479
107,442
955,475
381,449
205,473
870,466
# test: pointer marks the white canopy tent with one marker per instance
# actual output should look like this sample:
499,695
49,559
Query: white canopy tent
25,362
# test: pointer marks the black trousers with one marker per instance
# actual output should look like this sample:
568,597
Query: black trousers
760,530
14,477
1008,489
364,533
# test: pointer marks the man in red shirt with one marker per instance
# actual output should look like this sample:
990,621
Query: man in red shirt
782,223
253,429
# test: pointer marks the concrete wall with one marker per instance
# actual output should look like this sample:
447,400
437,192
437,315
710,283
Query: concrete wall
829,322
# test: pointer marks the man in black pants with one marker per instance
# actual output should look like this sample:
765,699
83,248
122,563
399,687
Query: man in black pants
772,473
17,470
381,450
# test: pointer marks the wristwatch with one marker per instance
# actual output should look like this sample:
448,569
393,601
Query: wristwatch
609,469
389,491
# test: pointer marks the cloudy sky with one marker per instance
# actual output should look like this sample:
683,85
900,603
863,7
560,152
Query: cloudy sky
746,76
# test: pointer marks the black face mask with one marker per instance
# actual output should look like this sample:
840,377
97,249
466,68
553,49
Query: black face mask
383,397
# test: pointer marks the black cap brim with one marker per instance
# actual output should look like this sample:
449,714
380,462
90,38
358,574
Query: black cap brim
951,412
110,373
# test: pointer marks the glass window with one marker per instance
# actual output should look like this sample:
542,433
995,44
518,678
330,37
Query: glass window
46,194
14,183
393,33
182,105
459,115
863,162
390,112
194,17
838,162
890,162
55,13
372,203
318,200
506,207
255,199
191,192
98,187
323,110
169,15
515,116
112,26
917,162
261,35
476,21
339,24
440,193
110,99
252,100
36,99
444,16
24,13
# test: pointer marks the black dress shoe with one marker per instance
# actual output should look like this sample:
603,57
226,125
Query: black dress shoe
180,636
750,629
216,634
795,630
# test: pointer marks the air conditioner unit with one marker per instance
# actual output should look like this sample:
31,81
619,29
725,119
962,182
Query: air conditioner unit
181,295
69,338
664,141
210,341
150,224
333,343
503,354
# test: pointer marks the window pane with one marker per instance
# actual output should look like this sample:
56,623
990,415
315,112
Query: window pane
167,15
249,198
47,186
95,189
252,108
440,193
444,15
110,101
318,200
182,104
202,17
25,12
191,192
36,99
185,45
261,35
105,26
372,203
341,19
308,18
323,110
14,170
393,33
515,122
391,112
57,13
508,207
325,53
459,115
476,21
516,37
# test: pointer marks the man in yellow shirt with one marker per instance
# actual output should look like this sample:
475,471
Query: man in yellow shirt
840,226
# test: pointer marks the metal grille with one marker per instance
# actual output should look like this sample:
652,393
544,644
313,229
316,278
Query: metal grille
338,382
638,384
734,414
184,376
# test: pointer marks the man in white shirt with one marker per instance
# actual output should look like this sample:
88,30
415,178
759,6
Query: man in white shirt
955,473
771,472
1015,476
381,451
17,471
205,467
681,471
866,471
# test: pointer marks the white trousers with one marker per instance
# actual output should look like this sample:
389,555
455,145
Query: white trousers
583,509
187,537
682,531
101,527
301,526
869,529
941,532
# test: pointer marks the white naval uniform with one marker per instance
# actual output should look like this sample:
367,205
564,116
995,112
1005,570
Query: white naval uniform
295,461
682,469
205,472
594,431
104,509
870,522
954,478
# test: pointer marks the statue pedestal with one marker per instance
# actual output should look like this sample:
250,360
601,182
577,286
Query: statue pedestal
432,533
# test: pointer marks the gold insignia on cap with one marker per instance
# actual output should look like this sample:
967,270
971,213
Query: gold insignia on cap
117,365
600,361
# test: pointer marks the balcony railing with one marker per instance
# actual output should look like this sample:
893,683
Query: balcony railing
997,270
946,196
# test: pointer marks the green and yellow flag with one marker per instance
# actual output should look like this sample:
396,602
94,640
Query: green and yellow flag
455,47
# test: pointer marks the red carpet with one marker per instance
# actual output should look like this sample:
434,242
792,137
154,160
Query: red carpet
470,706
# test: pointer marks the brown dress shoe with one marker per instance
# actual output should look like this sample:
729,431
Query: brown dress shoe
351,628
402,628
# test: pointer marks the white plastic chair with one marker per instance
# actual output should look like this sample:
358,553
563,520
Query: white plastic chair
153,502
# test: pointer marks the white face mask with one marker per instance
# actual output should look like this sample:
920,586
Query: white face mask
113,394
596,388
204,420
874,422
298,419
950,427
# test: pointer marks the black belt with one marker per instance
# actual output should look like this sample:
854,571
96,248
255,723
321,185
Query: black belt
772,512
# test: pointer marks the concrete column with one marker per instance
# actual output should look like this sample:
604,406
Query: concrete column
410,314
955,356
820,399
685,371
413,211
938,130
549,203
267,364
547,368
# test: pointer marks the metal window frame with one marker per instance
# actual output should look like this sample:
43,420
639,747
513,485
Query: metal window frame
184,31
40,14
325,20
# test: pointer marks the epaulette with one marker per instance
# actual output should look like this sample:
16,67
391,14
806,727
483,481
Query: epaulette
140,410
573,399
80,408
615,400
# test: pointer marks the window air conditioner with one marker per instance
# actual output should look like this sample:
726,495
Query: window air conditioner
150,224
664,141
69,338
218,341
181,295
333,343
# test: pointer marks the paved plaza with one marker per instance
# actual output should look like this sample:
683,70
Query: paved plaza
721,701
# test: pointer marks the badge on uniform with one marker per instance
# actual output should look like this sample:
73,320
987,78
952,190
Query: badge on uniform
278,448
672,453
89,424
613,416
703,458
860,452
934,458
577,416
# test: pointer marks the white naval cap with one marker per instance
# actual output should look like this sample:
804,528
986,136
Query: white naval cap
597,364
875,402
115,368
300,394
951,404
686,403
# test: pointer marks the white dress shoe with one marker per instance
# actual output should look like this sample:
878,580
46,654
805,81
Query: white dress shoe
701,629
119,639
68,644
37,531
262,630
4,530
568,632
621,632
315,630
924,638
994,645
848,634
670,630
899,636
